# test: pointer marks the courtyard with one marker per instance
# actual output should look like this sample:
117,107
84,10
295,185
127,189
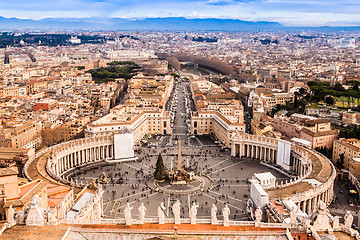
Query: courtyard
126,182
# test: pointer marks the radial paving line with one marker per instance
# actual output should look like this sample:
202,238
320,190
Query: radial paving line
135,167
222,202
227,167
107,205
228,196
131,195
218,163
140,199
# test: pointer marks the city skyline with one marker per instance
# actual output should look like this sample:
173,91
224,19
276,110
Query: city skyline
289,13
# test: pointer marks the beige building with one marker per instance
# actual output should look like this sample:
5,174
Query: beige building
271,100
140,124
35,86
26,135
350,118
143,111
354,166
288,128
8,187
218,112
319,133
9,92
217,124
350,148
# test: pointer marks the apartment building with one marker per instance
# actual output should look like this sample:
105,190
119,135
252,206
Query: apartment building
350,118
354,166
26,135
350,148
319,133
217,112
11,91
287,127
140,124
35,86
271,100
143,112
45,105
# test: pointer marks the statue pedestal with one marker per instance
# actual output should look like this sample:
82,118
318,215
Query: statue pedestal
177,220
214,222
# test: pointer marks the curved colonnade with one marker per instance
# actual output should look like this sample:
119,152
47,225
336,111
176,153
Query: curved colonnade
314,180
66,157
315,174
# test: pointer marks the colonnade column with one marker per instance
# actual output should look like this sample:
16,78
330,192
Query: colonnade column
241,146
304,206
309,207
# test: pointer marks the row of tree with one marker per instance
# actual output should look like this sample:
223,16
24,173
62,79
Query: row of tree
322,91
211,63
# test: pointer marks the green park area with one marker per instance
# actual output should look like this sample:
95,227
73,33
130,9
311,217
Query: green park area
336,95
116,69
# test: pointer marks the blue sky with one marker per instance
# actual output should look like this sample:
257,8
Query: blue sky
287,12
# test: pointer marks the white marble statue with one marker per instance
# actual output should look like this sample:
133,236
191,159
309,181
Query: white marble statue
127,214
52,220
20,217
176,211
336,223
97,210
293,214
61,211
214,219
193,213
161,213
35,215
348,219
322,221
226,213
10,215
258,215
142,209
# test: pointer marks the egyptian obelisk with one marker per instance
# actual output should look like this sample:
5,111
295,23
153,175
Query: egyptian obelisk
179,156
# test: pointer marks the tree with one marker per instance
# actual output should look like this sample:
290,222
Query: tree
296,102
339,87
329,100
302,91
340,161
160,171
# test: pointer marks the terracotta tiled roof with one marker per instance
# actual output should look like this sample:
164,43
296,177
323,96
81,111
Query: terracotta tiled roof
319,134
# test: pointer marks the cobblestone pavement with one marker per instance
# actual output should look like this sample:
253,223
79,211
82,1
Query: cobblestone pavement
127,181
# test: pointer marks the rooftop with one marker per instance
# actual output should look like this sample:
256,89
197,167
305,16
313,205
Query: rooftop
8,172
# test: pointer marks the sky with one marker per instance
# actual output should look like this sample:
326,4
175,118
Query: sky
287,12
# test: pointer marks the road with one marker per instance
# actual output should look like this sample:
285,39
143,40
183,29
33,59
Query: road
182,113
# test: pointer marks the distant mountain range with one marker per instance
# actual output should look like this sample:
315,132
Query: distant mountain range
160,24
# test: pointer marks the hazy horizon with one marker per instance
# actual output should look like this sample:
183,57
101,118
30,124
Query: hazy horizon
289,13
